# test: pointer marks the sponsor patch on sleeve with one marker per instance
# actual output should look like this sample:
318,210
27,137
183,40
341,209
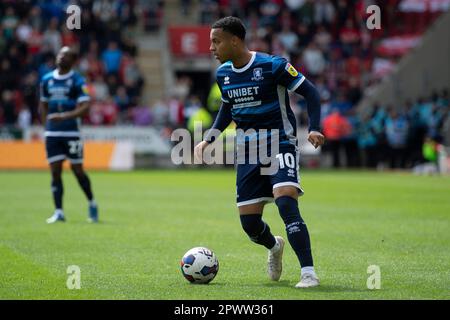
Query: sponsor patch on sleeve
289,68
84,89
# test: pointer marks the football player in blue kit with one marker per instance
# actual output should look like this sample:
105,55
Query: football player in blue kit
254,89
63,100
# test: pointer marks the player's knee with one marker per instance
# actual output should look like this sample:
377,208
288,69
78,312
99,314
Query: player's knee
286,191
252,225
288,209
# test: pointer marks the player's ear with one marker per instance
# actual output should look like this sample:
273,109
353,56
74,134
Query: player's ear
234,41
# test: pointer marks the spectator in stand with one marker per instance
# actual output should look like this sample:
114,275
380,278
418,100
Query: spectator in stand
123,102
24,118
341,103
396,134
322,38
367,142
100,89
446,129
349,35
7,108
24,31
378,122
52,37
91,66
47,66
29,92
176,113
142,116
335,128
209,11
111,58
323,12
306,12
9,23
110,111
350,141
313,60
214,100
288,39
354,93
160,112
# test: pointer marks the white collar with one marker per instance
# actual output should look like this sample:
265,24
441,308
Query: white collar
246,66
57,76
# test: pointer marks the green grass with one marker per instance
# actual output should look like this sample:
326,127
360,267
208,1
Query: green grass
149,219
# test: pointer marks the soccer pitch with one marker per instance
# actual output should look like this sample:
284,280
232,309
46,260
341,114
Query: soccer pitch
149,219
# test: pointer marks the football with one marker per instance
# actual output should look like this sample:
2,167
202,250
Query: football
199,265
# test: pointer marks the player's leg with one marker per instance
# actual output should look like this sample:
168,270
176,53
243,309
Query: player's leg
253,192
74,150
254,226
85,184
57,191
259,232
286,189
297,233
55,158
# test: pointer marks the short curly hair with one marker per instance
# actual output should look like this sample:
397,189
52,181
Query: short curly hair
231,25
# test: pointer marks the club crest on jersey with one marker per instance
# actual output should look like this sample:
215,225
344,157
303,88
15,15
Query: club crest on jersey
257,74
226,80
84,89
289,68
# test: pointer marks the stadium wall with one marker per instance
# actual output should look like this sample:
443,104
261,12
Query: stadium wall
15,155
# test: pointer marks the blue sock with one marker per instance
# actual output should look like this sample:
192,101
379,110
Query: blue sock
296,229
257,230
57,190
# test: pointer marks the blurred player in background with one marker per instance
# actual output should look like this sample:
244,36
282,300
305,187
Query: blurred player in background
263,80
63,101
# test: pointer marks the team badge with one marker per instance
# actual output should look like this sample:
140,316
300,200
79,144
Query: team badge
257,74
289,68
84,89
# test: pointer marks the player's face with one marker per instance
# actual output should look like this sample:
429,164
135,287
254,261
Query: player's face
64,59
221,45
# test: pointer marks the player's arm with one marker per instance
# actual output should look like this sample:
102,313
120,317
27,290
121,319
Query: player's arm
79,111
43,102
312,97
286,75
221,122
43,111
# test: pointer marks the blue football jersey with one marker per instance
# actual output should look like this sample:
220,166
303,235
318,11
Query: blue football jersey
257,95
63,93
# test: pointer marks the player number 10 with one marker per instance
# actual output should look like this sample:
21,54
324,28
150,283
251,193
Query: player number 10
286,160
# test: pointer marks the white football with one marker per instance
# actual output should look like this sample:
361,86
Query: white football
199,265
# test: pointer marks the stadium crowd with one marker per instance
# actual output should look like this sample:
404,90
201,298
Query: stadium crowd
327,40
32,32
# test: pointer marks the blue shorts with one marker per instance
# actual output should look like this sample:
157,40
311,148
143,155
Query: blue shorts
252,187
60,148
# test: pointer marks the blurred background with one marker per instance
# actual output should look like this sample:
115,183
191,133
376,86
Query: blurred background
385,92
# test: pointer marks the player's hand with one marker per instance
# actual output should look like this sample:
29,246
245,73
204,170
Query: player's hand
198,151
57,117
316,138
